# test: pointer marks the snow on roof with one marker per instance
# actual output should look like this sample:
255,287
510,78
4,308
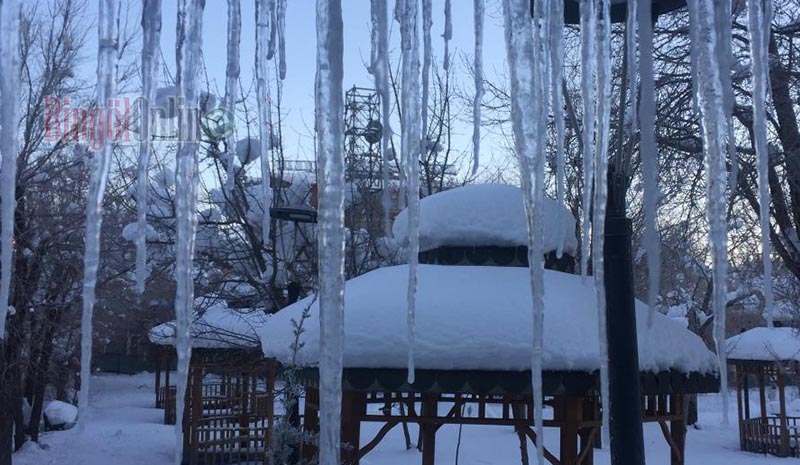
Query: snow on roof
477,318
765,344
484,215
216,328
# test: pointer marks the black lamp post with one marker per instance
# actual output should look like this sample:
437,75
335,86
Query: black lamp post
625,414
300,214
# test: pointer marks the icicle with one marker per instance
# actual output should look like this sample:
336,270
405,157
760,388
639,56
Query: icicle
264,104
273,32
722,10
631,28
10,64
556,78
588,64
648,152
232,71
712,116
603,117
151,41
280,13
330,147
479,12
427,52
527,49
758,22
106,91
379,67
411,149
448,31
190,42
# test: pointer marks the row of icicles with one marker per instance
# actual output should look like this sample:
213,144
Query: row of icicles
535,50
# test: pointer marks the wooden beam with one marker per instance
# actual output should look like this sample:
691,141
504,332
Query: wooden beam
377,439
547,454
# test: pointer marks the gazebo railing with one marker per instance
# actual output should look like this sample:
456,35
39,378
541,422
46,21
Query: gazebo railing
771,436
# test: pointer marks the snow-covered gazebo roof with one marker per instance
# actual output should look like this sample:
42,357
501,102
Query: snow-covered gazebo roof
218,327
477,318
484,215
765,345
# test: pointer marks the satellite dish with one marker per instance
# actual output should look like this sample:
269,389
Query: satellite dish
373,132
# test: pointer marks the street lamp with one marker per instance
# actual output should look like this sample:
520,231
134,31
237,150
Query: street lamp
619,9
625,414
298,214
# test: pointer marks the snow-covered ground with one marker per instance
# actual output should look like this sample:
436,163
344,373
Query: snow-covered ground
125,429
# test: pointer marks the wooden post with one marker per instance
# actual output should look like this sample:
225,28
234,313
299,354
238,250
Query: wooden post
678,429
158,360
568,412
354,407
585,434
193,411
739,400
762,394
168,356
310,421
746,392
521,423
428,428
784,452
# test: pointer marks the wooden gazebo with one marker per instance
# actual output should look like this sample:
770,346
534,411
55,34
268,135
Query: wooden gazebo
765,358
473,338
229,404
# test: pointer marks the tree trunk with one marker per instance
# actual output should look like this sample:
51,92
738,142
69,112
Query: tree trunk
6,421
41,378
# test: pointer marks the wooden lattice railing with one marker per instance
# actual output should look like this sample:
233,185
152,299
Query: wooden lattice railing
771,436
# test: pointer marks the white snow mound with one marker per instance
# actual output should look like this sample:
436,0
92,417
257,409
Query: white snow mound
218,327
477,318
248,150
484,215
765,344
60,413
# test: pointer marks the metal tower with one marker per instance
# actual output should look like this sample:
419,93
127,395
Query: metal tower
362,145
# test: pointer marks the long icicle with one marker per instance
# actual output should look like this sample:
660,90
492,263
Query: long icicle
190,43
723,19
527,58
330,151
427,56
264,104
712,117
448,31
232,70
478,15
588,64
758,22
379,67
557,92
603,117
410,147
280,14
108,17
10,64
648,152
151,41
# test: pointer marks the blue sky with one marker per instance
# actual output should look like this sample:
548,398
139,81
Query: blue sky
301,53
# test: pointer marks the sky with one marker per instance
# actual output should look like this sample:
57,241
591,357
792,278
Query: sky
298,86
